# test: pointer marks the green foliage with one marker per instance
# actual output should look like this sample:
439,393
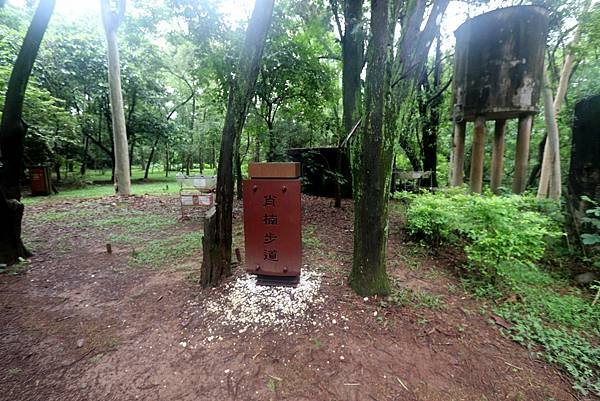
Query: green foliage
592,219
506,237
495,231
559,321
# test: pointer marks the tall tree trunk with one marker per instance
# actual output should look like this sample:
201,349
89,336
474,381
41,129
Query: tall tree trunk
432,121
550,182
201,155
167,161
84,157
238,175
371,166
152,150
270,141
12,135
131,152
216,245
352,58
57,166
213,154
111,21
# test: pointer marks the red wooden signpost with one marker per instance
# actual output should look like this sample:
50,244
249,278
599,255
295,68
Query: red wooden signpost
272,227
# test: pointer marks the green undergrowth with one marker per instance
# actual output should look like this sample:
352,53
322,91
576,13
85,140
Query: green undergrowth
509,241
556,320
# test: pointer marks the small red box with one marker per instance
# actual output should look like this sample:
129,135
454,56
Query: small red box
40,180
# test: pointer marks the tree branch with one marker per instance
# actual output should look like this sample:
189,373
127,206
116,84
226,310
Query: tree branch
336,16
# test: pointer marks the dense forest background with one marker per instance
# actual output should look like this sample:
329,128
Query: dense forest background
178,59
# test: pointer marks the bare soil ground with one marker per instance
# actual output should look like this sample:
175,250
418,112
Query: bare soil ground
82,324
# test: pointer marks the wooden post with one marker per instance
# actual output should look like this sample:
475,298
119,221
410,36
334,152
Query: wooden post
477,154
522,154
497,155
458,155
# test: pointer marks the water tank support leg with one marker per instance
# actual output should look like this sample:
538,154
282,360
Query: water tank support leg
458,157
477,156
522,154
497,155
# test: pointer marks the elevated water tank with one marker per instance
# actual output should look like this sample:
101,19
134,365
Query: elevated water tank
499,62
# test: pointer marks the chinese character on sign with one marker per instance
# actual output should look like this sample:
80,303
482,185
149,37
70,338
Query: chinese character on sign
270,255
270,219
269,200
269,237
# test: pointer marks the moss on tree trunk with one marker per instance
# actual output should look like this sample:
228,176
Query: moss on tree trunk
371,166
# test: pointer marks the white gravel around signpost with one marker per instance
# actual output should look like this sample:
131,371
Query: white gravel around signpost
246,305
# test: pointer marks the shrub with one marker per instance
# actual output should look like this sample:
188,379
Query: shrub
494,231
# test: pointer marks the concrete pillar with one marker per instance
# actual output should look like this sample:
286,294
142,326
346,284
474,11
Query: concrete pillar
522,154
497,155
477,155
458,155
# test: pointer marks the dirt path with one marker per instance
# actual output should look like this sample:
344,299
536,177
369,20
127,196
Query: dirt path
82,324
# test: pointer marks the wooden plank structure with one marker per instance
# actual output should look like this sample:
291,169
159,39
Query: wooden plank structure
498,70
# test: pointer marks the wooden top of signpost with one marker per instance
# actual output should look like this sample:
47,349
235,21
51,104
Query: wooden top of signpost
274,170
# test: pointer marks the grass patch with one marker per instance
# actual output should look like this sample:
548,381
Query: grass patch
157,253
134,222
310,238
16,269
417,298
69,216
96,358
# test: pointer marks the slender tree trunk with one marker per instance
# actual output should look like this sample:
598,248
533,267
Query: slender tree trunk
271,141
111,21
150,157
550,182
201,157
257,148
12,135
238,175
338,185
167,161
57,166
352,65
84,157
216,261
213,154
371,166
132,137
432,122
